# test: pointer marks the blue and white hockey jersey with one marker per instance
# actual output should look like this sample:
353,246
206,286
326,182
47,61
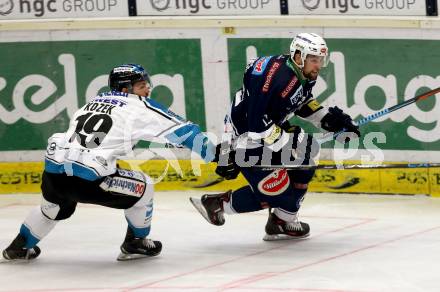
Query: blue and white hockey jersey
109,126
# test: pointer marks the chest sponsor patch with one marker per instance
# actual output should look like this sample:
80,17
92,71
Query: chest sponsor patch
275,183
122,185
260,65
269,77
289,87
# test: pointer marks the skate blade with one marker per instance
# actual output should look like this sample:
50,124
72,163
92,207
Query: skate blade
3,260
277,237
131,256
197,203
15,261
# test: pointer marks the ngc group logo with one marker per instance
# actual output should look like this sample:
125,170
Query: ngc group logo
310,4
343,6
193,6
6,7
160,5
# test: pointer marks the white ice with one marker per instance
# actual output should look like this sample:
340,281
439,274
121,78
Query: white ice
358,243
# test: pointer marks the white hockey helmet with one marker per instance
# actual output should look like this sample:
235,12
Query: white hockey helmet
309,44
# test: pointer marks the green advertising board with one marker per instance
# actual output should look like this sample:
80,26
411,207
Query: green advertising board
43,83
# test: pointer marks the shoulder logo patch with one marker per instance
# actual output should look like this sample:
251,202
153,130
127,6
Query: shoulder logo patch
260,65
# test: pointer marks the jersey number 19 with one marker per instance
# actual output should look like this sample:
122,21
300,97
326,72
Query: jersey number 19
91,129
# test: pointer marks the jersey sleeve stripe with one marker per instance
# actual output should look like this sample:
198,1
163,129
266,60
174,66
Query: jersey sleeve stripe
190,136
160,109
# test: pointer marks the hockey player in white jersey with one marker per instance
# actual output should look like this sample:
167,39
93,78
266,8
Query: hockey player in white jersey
80,164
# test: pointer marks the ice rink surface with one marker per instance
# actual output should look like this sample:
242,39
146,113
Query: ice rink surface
357,243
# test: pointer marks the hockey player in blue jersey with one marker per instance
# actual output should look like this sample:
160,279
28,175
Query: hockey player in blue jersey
275,88
80,164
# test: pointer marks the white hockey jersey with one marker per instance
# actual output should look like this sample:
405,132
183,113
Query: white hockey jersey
109,126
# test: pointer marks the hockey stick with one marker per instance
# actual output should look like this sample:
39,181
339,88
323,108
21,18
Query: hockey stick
361,122
382,113
331,167
398,106
351,166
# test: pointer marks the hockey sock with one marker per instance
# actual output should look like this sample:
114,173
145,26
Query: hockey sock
242,200
35,227
285,215
140,214
289,209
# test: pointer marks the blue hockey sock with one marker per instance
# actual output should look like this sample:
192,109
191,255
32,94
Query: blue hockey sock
31,240
244,200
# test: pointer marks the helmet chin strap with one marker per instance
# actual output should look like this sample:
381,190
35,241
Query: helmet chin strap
296,64
301,67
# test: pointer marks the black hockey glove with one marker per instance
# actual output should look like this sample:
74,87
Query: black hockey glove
287,127
336,121
226,167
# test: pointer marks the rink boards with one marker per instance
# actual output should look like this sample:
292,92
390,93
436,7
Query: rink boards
25,177
77,55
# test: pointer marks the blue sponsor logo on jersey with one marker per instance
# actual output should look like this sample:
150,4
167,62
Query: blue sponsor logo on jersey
110,98
260,65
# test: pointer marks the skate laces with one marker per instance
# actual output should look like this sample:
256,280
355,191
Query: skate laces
293,226
149,243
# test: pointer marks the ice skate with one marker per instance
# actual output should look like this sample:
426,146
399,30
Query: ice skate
278,229
136,248
17,251
211,207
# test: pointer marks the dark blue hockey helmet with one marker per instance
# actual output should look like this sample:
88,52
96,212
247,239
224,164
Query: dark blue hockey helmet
124,76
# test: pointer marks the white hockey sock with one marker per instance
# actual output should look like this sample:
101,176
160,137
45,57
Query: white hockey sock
227,207
37,225
140,214
286,215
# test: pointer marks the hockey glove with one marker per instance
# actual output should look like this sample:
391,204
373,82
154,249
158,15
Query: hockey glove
287,127
226,167
336,121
